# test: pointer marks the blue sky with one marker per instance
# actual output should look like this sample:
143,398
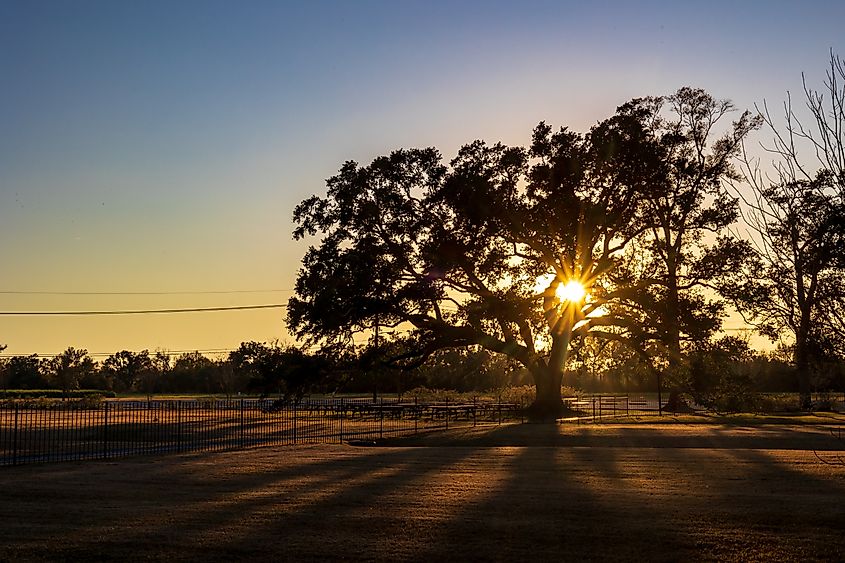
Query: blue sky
161,146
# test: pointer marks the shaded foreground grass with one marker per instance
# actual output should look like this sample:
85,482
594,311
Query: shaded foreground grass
525,492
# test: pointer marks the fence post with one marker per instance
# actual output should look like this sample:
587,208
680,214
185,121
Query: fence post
416,415
381,418
242,423
447,413
105,429
659,396
15,438
342,416
178,405
294,421
474,410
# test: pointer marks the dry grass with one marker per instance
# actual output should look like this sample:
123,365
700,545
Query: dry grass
529,492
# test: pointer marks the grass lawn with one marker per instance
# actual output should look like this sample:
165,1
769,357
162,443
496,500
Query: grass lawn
738,419
657,492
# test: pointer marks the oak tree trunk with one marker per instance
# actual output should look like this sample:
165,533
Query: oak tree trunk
548,376
548,405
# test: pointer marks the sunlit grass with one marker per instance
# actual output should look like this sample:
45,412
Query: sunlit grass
744,419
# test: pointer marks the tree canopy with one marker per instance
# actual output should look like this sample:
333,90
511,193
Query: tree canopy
477,252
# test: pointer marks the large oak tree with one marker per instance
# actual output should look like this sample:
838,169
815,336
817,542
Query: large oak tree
475,253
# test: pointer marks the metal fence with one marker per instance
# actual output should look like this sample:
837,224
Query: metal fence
61,431
598,407
74,430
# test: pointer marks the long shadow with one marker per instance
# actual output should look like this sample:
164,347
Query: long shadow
295,497
649,512
533,492
637,436
175,488
549,508
801,501
363,518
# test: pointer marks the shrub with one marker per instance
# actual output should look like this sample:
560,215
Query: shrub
89,402
735,398
825,402
426,395
54,394
679,402
521,395
777,402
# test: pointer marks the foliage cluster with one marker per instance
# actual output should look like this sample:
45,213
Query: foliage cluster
88,402
54,394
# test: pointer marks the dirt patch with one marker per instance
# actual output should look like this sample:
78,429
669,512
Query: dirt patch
530,492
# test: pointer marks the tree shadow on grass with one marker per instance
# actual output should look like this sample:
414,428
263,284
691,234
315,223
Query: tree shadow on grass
558,504
681,436
535,492
174,509
651,503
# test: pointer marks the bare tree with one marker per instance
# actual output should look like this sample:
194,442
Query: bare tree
797,213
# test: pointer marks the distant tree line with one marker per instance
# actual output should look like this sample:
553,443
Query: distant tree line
725,373
268,369
123,371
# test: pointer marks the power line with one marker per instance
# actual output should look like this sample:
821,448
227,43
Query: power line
141,312
222,292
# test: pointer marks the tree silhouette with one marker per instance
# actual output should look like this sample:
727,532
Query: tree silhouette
274,369
677,263
24,372
4,372
192,370
455,253
66,370
126,368
799,219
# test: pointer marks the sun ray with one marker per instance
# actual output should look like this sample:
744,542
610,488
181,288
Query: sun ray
571,291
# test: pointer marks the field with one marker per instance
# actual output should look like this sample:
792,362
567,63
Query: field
509,493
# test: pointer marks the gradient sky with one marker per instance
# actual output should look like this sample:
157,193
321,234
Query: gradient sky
161,146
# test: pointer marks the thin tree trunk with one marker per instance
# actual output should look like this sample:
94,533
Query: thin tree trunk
675,366
802,365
